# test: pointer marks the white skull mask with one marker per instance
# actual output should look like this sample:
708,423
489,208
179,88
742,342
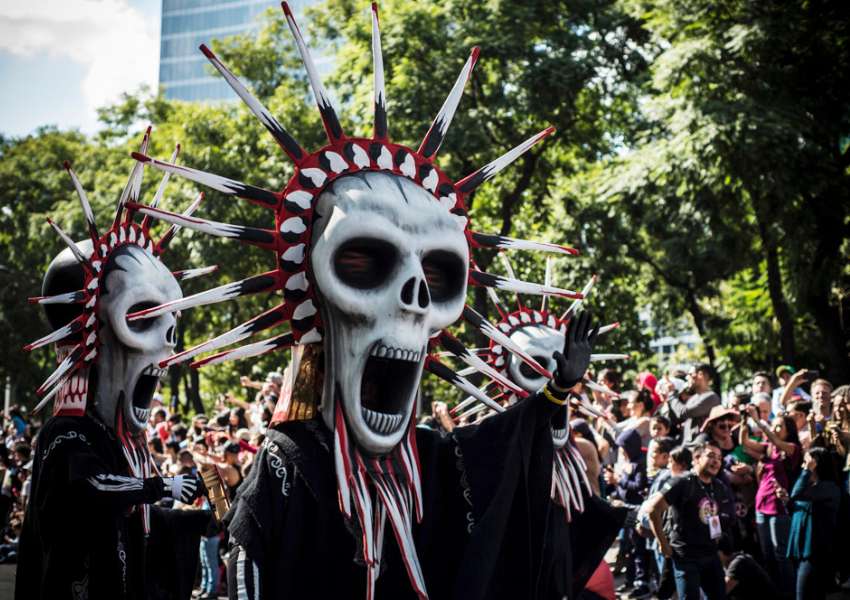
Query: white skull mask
390,265
539,342
128,363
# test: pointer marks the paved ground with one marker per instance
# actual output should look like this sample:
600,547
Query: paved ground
7,582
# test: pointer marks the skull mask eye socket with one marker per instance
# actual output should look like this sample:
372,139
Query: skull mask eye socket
530,373
365,263
444,272
140,325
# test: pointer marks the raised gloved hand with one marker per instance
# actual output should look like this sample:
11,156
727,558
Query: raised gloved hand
183,488
578,345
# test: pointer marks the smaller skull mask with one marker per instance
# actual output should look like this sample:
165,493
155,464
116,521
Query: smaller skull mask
390,265
128,366
540,342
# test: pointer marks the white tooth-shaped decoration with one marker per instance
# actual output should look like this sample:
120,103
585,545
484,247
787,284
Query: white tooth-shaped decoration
317,176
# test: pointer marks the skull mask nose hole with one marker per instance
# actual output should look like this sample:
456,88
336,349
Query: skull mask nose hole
407,291
170,336
424,297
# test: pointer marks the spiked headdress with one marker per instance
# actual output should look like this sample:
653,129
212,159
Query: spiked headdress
293,207
77,341
569,469
398,489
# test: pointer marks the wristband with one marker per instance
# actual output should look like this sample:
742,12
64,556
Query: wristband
554,399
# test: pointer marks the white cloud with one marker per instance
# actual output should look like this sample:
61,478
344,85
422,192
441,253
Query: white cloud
116,44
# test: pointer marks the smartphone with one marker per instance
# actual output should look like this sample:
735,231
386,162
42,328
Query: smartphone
812,374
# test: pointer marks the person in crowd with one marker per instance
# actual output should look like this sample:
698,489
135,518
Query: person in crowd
585,441
647,381
784,375
814,502
821,399
679,465
657,461
745,578
763,406
693,411
659,426
159,424
171,464
630,480
701,507
668,387
799,411
779,460
761,383
718,427
237,420
610,379
639,406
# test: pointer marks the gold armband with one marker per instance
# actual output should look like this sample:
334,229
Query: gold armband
554,399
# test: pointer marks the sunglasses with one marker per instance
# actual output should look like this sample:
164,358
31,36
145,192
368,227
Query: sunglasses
723,425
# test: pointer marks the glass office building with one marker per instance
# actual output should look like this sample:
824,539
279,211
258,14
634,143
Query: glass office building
186,24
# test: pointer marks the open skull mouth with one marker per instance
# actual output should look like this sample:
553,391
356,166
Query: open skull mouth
389,379
144,390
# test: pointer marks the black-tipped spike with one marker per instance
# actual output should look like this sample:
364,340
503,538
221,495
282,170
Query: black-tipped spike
281,136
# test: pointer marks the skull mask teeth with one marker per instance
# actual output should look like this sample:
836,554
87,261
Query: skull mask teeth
398,271
131,351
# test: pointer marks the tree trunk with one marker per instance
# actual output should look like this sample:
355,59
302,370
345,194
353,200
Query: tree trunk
699,321
774,286
195,391
830,212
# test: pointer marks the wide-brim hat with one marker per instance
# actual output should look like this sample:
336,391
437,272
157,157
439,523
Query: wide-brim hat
719,412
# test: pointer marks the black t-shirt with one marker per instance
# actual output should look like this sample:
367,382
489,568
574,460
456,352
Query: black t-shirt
753,580
692,503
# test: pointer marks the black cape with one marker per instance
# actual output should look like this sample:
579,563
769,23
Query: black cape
487,515
78,544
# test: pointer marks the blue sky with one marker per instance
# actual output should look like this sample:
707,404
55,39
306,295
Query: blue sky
61,59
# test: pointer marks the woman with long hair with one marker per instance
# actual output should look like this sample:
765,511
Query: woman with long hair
814,503
779,458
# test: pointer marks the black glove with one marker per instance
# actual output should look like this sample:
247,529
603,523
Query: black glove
578,344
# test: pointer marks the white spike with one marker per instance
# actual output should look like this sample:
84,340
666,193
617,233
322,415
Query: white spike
603,356
488,171
437,132
70,243
378,69
249,350
237,334
160,190
221,293
193,273
575,306
547,281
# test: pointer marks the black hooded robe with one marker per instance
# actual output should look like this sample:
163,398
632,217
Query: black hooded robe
487,514
82,538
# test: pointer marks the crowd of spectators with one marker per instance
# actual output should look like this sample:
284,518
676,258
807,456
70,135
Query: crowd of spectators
732,497
740,496
229,438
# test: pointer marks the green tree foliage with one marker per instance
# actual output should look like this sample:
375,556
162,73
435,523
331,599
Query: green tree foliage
697,163
736,192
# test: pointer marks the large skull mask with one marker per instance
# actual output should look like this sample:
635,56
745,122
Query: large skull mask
390,265
540,342
128,364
